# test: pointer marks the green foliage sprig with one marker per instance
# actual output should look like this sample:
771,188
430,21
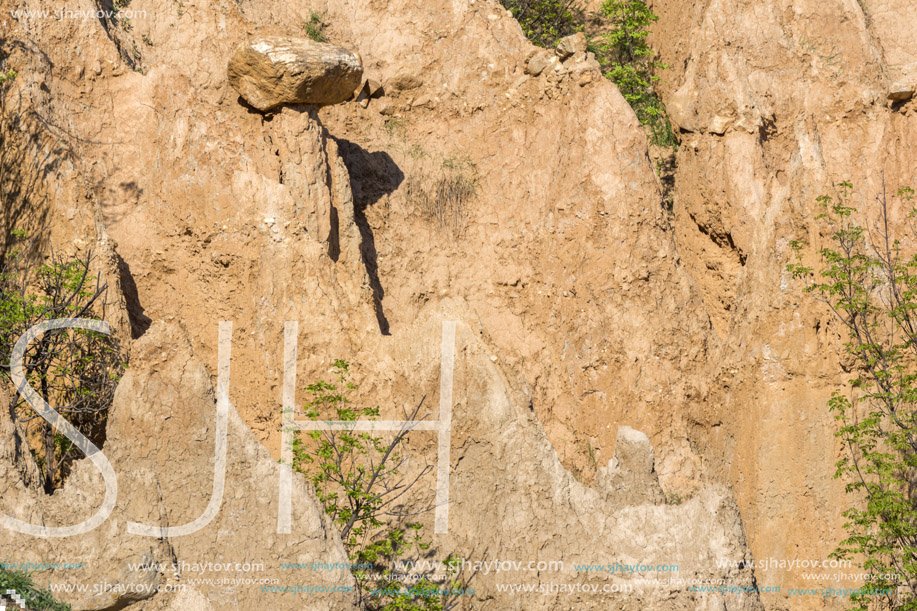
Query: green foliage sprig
871,286
356,477
315,27
630,62
36,598
544,22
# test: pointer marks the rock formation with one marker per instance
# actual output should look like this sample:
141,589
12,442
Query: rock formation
630,476
263,221
269,71
161,443
582,306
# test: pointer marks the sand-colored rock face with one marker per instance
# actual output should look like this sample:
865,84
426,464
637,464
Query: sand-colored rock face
776,102
161,443
582,305
219,213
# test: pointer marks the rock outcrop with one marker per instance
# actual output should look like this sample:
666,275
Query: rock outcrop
261,221
271,70
570,45
900,92
776,103
630,476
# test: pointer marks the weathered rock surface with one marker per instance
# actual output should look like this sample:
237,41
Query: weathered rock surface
900,92
595,314
507,476
570,45
405,80
781,101
630,476
261,221
539,60
271,70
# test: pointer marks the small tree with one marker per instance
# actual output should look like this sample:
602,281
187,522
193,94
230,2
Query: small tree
356,477
871,286
544,22
630,62
73,370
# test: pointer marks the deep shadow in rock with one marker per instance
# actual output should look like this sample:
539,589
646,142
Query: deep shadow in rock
372,177
140,322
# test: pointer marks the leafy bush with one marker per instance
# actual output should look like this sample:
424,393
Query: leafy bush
871,287
544,22
357,479
315,27
623,52
629,61
35,598
73,370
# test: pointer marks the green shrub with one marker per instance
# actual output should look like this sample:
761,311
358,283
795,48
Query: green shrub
36,599
544,22
357,478
73,370
629,61
623,52
315,27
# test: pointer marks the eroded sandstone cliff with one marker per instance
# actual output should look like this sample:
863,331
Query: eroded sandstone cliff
582,304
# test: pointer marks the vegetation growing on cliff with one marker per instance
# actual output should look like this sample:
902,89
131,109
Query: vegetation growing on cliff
443,191
315,27
544,22
34,597
358,480
630,62
73,370
870,284
622,50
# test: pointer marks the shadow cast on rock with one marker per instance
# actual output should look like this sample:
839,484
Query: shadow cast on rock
372,177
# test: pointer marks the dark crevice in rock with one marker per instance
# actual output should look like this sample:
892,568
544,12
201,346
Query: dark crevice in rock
766,130
109,26
334,235
722,239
